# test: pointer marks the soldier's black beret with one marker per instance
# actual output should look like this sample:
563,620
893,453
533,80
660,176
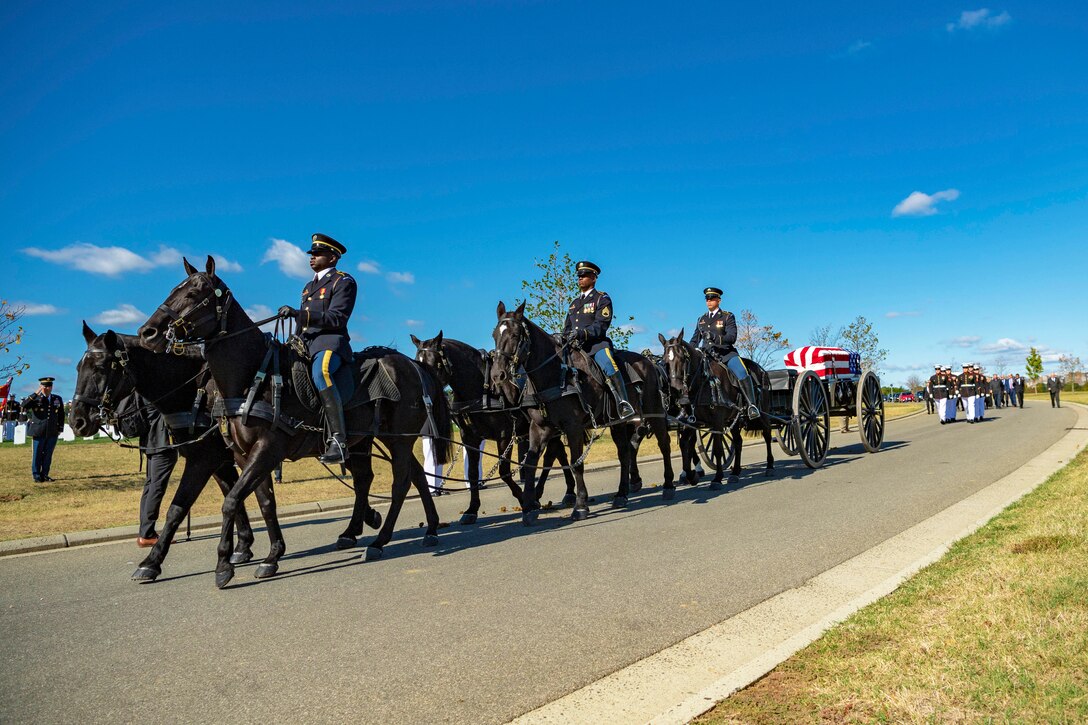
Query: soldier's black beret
712,292
323,243
584,266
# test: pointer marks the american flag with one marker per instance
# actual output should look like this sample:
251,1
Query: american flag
825,361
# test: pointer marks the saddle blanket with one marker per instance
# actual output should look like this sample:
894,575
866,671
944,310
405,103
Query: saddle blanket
826,362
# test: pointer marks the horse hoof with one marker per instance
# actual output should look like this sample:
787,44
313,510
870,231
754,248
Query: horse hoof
768,473
568,500
635,486
716,485
683,478
668,494
430,540
468,519
265,571
345,542
699,473
528,518
373,553
241,557
733,479
146,574
579,514
222,578
374,519
619,502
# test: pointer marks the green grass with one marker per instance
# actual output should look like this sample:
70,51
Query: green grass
996,631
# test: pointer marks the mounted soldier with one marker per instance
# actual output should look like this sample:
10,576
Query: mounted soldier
716,333
322,323
586,327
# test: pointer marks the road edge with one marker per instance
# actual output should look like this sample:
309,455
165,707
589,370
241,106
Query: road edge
681,682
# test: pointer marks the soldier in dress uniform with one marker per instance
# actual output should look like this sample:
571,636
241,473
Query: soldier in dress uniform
969,388
45,420
586,326
945,392
715,333
931,407
980,401
11,410
322,323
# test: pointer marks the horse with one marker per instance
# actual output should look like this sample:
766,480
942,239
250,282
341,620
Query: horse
202,310
687,436
464,369
716,401
520,342
113,368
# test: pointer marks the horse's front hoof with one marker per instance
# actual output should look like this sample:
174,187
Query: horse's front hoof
699,472
266,570
733,479
768,473
241,557
373,519
222,578
146,574
430,540
635,486
528,518
579,514
373,553
345,542
668,494
568,500
468,519
716,485
619,502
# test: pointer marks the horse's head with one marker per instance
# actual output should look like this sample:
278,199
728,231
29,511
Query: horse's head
102,379
433,354
195,310
512,342
678,356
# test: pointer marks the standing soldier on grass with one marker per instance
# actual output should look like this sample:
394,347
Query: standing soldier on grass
45,420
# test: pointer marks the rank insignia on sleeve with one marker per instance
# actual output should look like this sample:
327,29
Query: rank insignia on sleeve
606,312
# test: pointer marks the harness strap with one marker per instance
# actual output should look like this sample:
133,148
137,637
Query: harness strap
277,386
258,380
198,402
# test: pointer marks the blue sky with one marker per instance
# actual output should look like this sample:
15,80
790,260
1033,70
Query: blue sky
925,166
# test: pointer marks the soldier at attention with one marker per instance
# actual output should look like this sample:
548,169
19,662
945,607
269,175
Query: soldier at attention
322,323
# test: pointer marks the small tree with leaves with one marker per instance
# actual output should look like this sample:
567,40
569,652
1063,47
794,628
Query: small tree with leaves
11,334
860,337
757,342
547,298
1033,365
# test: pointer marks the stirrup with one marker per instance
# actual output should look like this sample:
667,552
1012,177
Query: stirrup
753,412
625,410
335,452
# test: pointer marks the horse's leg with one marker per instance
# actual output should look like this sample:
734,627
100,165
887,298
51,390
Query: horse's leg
226,476
717,452
266,499
568,473
430,512
638,433
472,445
529,507
193,480
581,495
621,437
545,468
402,465
769,470
664,444
738,444
506,467
263,457
361,465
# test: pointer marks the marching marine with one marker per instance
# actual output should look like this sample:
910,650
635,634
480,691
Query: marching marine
322,323
944,388
969,389
586,326
716,333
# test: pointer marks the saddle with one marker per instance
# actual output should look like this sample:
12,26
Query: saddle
585,368
365,380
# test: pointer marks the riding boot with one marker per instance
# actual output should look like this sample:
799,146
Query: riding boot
619,392
749,391
337,447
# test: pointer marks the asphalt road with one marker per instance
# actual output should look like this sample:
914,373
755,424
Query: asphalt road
497,620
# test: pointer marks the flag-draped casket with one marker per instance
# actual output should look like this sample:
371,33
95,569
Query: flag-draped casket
826,362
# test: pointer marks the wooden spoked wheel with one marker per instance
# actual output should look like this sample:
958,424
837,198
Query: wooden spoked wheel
870,412
812,419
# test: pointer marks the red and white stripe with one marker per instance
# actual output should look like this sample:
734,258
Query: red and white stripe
824,361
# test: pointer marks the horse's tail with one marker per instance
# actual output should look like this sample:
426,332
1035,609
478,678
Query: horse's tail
440,411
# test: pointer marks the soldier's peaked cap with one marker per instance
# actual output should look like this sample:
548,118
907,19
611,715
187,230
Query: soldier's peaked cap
712,292
323,243
46,380
585,266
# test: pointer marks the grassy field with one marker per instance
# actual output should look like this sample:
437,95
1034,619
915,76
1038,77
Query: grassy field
996,631
1080,396
98,484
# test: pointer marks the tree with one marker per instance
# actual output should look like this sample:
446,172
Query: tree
11,334
914,382
1034,367
1001,364
758,342
548,297
826,336
1069,365
860,337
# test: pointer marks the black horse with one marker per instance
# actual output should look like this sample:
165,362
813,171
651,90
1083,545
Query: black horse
521,343
687,435
113,368
464,369
710,391
202,309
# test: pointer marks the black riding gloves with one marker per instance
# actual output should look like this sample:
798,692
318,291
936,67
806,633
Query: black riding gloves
288,311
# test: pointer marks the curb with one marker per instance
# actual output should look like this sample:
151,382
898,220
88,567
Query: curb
205,523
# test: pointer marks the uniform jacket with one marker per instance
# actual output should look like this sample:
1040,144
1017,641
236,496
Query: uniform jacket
12,410
1053,384
590,315
939,394
45,415
323,315
718,333
973,380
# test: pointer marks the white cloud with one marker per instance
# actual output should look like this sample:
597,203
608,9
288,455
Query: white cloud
123,315
981,18
910,313
292,261
37,308
369,266
259,312
414,323
964,342
108,261
857,46
1005,344
632,328
401,277
57,360
222,264
921,204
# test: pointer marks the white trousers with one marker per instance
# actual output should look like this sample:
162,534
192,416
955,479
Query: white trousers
969,406
980,406
946,409
431,468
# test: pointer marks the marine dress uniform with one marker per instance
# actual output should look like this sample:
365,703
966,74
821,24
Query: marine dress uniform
322,322
44,412
716,333
944,391
931,406
588,319
969,390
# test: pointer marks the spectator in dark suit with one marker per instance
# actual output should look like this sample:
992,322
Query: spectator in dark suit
995,390
1054,387
1018,386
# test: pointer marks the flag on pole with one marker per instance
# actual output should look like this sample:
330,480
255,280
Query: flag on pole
5,390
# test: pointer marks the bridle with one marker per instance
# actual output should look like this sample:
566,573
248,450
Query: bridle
102,400
180,327
521,352
683,382
443,365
